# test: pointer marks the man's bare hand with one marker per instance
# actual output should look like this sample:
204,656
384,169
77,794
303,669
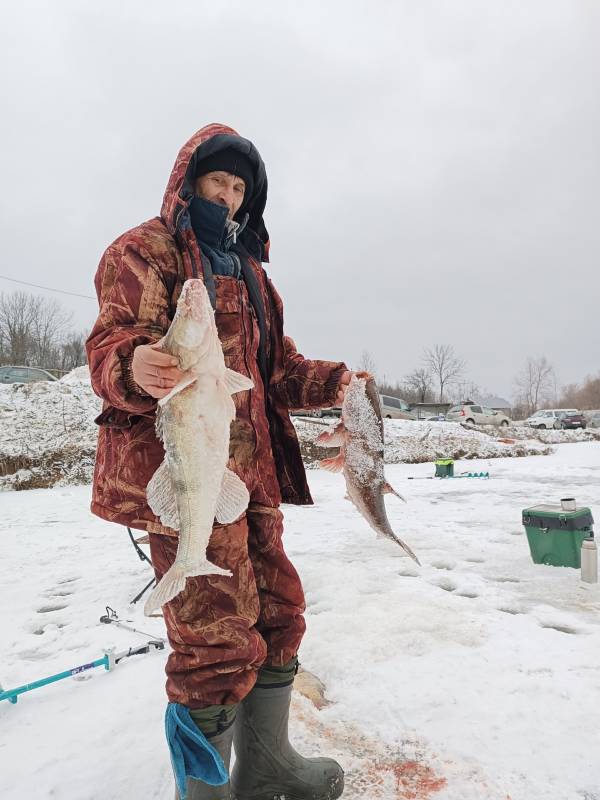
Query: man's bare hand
154,370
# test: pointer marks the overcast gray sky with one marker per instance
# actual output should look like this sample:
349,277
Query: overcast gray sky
434,166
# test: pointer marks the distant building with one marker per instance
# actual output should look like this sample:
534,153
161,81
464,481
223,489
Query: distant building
497,403
425,410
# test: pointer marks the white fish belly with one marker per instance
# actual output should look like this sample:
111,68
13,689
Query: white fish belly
197,448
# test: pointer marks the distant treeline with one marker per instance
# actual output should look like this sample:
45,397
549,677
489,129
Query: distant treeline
441,377
38,332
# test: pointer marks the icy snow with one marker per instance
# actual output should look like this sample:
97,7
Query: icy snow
474,677
48,436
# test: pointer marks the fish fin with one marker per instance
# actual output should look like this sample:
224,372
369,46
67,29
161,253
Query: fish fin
392,536
334,438
335,464
173,582
235,382
387,489
407,550
233,499
161,497
168,587
179,387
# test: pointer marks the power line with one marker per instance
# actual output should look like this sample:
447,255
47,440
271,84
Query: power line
48,288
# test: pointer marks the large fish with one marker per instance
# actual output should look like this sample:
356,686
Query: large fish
359,436
193,485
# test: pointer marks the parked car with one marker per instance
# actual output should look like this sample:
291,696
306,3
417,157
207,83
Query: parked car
316,412
594,420
10,374
571,420
395,408
477,415
548,417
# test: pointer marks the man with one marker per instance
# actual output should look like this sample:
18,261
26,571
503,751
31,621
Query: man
234,639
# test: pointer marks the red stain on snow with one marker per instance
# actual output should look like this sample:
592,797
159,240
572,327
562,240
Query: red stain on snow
416,781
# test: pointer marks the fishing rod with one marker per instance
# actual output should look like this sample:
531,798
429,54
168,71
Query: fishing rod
448,477
111,617
109,660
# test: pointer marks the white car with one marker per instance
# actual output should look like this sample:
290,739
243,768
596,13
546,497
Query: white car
548,417
477,415
594,419
395,408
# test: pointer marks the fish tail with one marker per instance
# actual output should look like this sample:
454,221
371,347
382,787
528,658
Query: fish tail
173,582
168,587
406,549
207,568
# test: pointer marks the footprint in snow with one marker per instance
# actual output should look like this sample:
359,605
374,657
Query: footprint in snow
512,610
47,609
40,630
443,564
409,573
560,628
445,584
33,655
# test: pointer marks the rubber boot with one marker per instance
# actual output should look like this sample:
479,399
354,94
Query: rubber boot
267,767
211,722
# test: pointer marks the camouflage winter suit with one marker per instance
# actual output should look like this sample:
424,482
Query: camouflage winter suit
221,629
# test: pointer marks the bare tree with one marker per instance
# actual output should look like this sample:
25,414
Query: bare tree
444,365
419,381
73,352
535,383
36,331
466,390
367,363
584,396
16,322
589,396
50,324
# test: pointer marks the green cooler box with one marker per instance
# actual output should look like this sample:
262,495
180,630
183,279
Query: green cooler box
555,535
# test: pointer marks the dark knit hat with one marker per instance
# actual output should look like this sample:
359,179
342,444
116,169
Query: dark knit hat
232,161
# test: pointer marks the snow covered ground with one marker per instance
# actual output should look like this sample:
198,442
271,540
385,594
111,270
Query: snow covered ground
474,677
48,436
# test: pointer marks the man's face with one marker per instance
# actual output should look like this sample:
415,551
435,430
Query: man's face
222,188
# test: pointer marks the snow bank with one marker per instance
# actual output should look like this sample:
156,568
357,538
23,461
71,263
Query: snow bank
48,436
415,442
47,432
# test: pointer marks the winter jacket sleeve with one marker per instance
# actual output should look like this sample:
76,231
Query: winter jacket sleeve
134,303
306,383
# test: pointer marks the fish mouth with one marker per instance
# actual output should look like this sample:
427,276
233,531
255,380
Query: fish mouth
194,300
194,311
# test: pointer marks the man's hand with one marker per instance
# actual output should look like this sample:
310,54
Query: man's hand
155,371
344,383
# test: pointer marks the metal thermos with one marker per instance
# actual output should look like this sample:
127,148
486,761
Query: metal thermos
589,561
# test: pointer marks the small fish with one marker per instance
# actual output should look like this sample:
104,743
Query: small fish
359,436
193,485
308,685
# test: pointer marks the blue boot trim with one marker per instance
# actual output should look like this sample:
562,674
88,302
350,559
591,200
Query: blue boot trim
192,755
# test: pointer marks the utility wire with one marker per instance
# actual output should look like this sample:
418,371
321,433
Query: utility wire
47,288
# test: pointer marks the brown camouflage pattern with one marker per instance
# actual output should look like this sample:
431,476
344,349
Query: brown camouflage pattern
138,282
222,629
